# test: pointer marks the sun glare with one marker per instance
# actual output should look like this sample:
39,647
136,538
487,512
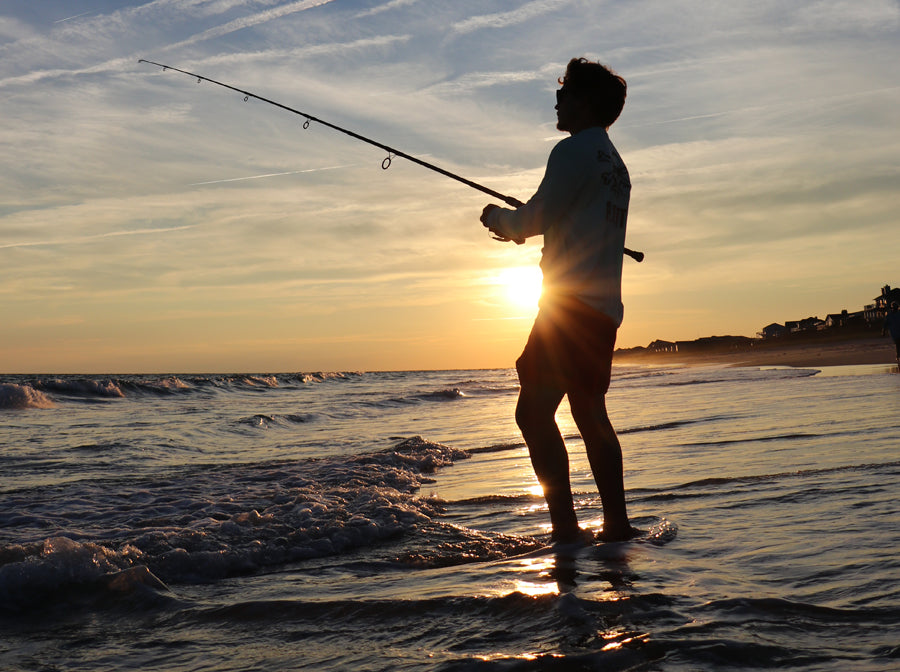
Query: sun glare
522,285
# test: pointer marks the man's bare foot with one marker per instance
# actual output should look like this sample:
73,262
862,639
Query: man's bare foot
620,533
577,537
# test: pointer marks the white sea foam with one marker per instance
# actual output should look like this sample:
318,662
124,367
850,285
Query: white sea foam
228,522
39,571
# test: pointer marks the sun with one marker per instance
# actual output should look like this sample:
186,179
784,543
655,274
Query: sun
522,285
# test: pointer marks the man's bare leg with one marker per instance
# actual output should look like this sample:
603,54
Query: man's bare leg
536,417
605,456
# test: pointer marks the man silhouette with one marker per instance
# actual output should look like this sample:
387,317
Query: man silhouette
580,208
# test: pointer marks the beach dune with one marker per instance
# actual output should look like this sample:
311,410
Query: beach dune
867,350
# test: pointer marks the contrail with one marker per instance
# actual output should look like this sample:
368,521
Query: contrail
69,18
259,177
98,236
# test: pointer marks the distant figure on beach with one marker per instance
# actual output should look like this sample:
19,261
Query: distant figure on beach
580,208
892,326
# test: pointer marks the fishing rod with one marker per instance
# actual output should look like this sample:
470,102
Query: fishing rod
392,152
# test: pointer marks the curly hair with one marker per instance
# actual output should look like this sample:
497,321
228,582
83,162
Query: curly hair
602,88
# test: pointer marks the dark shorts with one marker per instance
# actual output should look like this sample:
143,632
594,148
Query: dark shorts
570,346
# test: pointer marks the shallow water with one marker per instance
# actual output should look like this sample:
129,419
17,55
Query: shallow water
294,522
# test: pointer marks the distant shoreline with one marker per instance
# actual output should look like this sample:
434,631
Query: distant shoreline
853,350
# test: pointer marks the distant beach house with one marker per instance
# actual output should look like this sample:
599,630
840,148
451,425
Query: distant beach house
875,312
662,346
888,296
774,330
872,314
834,320
841,319
810,324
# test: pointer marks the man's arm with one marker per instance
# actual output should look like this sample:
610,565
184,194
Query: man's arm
548,203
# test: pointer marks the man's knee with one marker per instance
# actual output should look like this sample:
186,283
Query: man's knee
536,410
522,416
528,418
588,407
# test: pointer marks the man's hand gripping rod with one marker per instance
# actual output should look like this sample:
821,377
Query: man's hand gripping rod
392,152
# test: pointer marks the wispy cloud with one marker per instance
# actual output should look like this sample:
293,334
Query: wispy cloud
248,22
521,14
484,80
386,7
118,23
324,49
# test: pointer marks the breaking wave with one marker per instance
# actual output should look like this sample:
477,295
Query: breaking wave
22,396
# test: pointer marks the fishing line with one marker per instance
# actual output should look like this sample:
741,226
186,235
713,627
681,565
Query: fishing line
392,152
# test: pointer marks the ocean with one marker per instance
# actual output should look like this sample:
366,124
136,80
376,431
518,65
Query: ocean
391,521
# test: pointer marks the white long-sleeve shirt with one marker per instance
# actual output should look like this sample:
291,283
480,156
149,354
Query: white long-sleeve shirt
581,208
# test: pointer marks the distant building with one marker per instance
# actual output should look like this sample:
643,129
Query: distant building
835,320
875,312
806,324
846,319
662,346
888,296
774,330
810,324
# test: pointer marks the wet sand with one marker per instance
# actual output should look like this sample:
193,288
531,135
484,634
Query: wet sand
870,350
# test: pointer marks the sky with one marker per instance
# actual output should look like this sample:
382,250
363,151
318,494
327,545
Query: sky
151,223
